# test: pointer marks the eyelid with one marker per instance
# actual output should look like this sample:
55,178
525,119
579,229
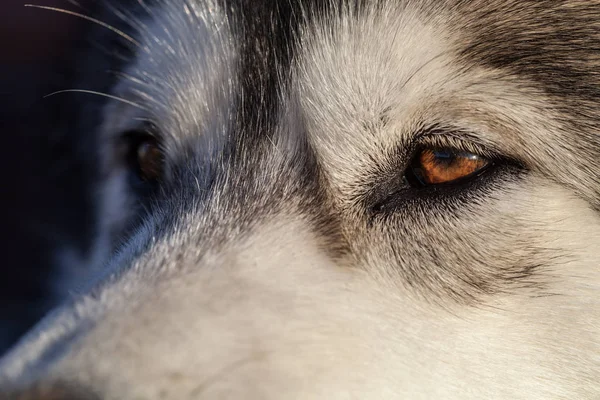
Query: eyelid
145,127
466,143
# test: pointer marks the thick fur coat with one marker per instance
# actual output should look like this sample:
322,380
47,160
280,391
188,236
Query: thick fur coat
284,253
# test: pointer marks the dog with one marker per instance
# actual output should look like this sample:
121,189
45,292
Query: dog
336,199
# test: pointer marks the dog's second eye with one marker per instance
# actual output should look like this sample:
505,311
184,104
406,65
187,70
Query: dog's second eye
439,166
149,158
145,157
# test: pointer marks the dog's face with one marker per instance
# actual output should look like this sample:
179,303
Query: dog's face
390,199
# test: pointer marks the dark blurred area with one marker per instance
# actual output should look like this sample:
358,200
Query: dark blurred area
43,170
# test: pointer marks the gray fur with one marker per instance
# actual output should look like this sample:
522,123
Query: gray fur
284,257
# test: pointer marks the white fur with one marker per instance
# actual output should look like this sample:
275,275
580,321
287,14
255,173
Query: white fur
213,310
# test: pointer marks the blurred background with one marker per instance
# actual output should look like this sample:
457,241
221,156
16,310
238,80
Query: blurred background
43,172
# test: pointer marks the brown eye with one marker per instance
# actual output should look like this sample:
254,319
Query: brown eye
150,160
438,166
145,156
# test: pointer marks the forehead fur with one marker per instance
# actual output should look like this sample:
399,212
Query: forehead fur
496,70
552,46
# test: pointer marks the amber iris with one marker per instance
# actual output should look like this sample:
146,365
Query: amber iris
444,166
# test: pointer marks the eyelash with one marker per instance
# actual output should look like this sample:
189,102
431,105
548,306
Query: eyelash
452,141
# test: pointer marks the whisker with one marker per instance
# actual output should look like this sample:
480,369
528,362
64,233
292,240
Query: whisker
122,100
139,83
94,20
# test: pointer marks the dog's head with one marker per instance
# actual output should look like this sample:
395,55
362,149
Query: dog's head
385,199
